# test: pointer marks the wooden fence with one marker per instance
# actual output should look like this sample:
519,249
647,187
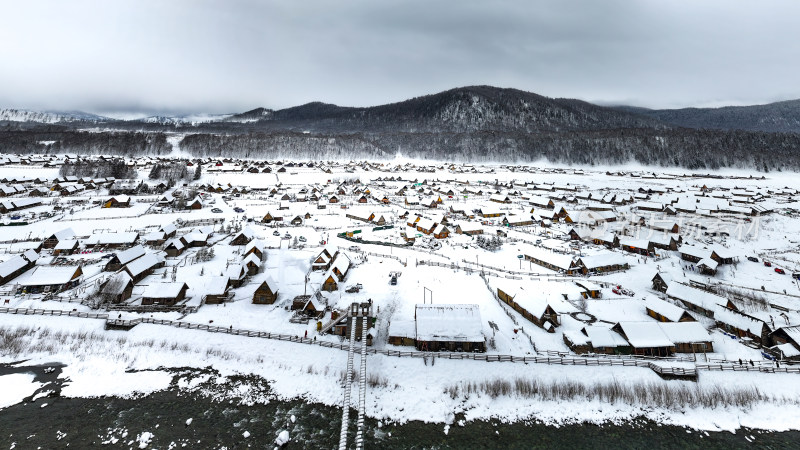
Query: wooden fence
570,360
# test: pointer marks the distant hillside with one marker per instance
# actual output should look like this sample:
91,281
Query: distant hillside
468,109
780,117
475,123
21,115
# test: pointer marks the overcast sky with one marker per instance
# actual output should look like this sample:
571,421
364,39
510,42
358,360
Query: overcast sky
175,56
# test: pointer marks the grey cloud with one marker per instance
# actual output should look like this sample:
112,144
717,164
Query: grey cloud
227,56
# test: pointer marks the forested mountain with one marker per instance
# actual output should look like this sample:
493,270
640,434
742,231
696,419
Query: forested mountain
780,117
478,123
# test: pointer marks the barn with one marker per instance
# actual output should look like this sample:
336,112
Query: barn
455,327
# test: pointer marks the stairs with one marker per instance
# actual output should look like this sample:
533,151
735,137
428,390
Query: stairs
362,383
347,382
343,314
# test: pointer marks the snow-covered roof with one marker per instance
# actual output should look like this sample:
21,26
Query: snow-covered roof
695,296
788,350
684,332
604,337
176,242
666,309
251,258
739,321
142,264
645,334
130,254
66,244
560,260
49,275
117,283
169,228
215,285
602,260
254,244
457,322
236,272
793,333
708,262
66,233
696,252
403,328
12,265
112,238
470,226
163,290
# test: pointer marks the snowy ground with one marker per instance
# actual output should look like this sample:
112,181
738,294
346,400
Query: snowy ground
402,388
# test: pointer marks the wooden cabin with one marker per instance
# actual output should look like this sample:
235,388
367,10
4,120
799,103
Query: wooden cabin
266,293
165,294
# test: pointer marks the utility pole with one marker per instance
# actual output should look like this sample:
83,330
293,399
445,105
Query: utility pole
424,289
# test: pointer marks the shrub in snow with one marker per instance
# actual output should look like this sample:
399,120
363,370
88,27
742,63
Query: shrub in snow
282,439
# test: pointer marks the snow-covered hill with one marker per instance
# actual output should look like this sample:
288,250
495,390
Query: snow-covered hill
22,115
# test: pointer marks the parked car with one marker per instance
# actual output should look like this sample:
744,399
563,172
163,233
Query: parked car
276,233
216,210
767,264
780,271
238,210
752,258
302,239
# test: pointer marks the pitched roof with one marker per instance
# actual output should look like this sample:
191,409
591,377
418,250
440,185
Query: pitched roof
457,322
645,334
130,254
163,290
50,275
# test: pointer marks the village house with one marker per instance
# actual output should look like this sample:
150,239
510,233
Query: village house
699,301
111,240
596,339
453,327
557,262
66,247
469,228
252,263
118,201
266,293
117,288
143,266
785,343
645,338
664,311
255,247
269,217
55,238
17,265
164,294
742,325
324,259
215,289
602,263
122,258
53,279
175,247
532,307
243,238
236,274
402,332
